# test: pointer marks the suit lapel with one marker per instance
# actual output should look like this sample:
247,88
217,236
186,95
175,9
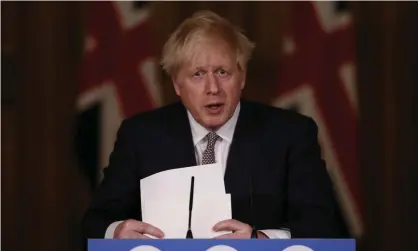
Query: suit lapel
241,157
182,153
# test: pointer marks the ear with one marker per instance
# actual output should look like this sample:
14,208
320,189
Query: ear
176,86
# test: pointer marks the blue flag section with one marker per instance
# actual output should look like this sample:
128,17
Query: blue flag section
223,245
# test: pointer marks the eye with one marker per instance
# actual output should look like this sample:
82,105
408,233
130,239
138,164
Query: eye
198,74
221,72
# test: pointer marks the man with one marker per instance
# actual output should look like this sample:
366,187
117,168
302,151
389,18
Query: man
269,155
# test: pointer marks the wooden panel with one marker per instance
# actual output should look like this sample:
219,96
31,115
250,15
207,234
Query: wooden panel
48,58
371,58
9,183
405,175
9,134
9,33
387,86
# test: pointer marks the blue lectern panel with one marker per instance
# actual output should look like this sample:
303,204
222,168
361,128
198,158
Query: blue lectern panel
223,245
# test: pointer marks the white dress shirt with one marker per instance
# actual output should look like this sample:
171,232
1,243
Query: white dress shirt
226,133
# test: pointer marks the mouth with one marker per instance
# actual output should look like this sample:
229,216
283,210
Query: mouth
214,108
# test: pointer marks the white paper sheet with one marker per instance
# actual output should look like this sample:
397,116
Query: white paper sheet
165,200
207,211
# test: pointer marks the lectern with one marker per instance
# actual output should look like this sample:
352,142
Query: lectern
222,245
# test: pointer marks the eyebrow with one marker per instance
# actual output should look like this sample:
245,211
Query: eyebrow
199,68
216,67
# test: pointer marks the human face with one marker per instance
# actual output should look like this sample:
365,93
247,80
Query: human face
210,84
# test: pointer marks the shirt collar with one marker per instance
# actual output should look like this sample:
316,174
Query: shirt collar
226,132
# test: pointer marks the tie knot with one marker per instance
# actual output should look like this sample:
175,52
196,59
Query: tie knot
212,137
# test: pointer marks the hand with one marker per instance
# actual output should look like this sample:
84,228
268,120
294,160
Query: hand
132,229
239,230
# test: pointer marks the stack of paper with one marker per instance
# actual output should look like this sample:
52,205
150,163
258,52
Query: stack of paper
165,200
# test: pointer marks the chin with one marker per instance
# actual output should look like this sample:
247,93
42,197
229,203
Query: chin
214,124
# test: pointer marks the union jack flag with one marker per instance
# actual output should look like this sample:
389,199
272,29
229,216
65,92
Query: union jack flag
317,78
118,77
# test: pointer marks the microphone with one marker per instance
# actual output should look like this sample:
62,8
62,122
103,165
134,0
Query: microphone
189,234
252,218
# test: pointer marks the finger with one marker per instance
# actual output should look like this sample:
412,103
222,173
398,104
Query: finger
144,228
128,234
151,230
144,237
229,225
228,236
134,235
223,236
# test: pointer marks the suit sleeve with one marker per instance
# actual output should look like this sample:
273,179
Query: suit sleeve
117,196
312,212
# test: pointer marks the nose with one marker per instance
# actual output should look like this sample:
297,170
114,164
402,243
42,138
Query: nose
212,85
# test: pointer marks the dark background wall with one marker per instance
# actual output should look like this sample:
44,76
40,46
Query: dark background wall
44,193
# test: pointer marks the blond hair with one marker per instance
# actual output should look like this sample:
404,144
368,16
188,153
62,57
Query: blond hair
204,25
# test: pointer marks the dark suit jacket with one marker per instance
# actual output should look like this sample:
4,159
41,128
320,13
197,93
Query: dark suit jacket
278,149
